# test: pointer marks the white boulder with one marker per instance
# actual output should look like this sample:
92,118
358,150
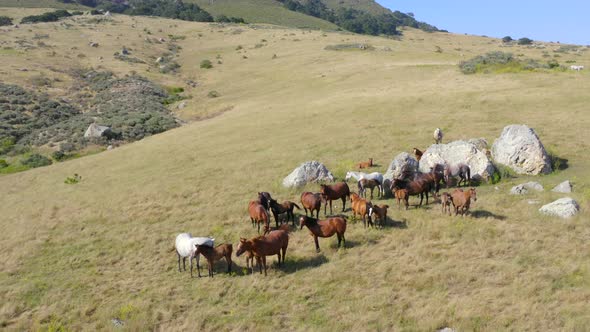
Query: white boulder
524,188
457,152
519,148
403,161
564,187
310,171
564,208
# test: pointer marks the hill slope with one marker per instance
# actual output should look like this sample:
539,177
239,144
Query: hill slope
78,256
369,6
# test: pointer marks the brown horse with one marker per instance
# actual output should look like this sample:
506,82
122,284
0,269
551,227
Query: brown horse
363,184
286,207
462,199
324,228
365,164
258,214
334,192
264,199
212,255
381,212
418,154
361,207
311,201
401,195
414,187
445,202
275,243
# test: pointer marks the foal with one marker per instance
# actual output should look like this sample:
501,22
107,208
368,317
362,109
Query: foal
285,207
258,214
212,255
446,201
381,212
366,164
401,195
363,184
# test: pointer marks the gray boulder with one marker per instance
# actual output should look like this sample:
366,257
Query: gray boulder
310,171
403,161
95,130
519,148
564,208
564,187
480,143
524,188
457,152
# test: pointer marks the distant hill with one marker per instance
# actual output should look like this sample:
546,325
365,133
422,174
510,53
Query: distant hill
369,6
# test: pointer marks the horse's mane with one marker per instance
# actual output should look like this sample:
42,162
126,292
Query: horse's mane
311,220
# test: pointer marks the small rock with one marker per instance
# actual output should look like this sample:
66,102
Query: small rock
564,187
117,322
159,60
110,147
564,208
446,329
93,44
181,105
534,201
311,171
524,188
161,40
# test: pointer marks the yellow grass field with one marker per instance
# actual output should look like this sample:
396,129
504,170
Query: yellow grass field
76,256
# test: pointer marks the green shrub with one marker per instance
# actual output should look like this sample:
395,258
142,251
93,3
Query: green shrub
46,17
213,94
36,160
507,39
3,163
525,41
206,64
73,179
500,62
553,64
5,20
59,155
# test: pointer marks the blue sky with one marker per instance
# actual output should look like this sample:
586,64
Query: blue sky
565,21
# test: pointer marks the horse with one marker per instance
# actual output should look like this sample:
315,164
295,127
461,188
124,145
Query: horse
363,184
462,170
418,154
212,255
264,199
370,176
185,246
311,201
275,243
365,164
420,186
401,195
381,212
446,201
438,136
361,207
462,199
258,214
324,228
334,192
285,207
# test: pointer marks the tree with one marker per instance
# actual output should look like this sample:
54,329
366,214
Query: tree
525,41
5,20
507,39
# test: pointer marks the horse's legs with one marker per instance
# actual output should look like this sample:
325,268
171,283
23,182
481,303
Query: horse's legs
184,263
178,261
317,214
264,263
317,244
344,202
372,192
339,239
426,193
228,259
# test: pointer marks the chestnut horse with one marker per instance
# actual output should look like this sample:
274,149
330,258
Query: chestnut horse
445,202
285,207
258,214
365,164
324,228
462,199
334,192
275,243
381,212
311,201
212,255
361,207
401,195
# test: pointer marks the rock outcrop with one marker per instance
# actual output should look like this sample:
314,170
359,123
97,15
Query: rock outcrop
457,152
564,187
524,188
564,208
519,148
310,171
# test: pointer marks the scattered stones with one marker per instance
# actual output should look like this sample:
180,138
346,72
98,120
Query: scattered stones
564,187
524,188
564,208
457,152
93,44
159,60
519,148
310,171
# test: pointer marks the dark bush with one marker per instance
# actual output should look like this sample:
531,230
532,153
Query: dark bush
59,155
507,39
5,20
36,160
46,17
525,41
225,19
3,163
206,64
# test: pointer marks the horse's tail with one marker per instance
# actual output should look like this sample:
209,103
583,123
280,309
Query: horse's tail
297,206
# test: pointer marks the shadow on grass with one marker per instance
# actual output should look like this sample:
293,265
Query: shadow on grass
486,214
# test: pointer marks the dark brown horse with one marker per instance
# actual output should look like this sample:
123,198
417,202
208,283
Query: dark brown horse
462,200
363,184
275,243
286,207
334,192
418,154
324,228
264,199
420,186
361,207
311,201
212,255
258,214
381,212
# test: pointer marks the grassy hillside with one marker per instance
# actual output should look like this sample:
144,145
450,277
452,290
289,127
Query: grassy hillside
370,6
77,256
39,4
263,11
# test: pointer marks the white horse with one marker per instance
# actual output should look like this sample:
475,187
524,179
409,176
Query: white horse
576,68
186,246
371,176
438,135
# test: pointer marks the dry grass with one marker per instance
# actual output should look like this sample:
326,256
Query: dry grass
78,255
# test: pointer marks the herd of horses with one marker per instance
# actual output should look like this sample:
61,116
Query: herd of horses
275,241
